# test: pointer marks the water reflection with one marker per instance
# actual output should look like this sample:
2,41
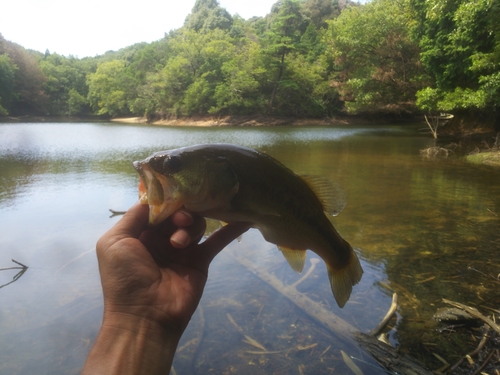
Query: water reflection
418,226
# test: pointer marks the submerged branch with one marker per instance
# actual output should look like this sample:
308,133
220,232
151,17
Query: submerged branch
314,262
387,318
371,348
475,313
389,358
480,346
116,213
16,277
433,129
314,310
21,266
485,363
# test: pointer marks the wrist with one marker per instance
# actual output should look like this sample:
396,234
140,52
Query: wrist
142,325
128,344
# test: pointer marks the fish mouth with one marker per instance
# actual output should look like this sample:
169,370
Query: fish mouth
156,191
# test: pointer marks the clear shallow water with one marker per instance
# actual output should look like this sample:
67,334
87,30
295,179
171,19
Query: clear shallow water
417,224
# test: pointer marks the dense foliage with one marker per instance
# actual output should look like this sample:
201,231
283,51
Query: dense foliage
310,58
460,49
377,63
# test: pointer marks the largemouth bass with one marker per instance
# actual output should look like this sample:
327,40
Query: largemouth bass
237,184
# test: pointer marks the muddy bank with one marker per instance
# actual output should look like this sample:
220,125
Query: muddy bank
207,120
477,148
190,121
256,120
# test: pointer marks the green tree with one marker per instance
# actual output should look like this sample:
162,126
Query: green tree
62,76
319,11
208,15
141,63
77,103
187,82
27,94
311,43
281,39
7,75
460,43
238,92
108,89
377,67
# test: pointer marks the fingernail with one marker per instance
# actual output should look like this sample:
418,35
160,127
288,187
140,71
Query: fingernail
179,239
186,212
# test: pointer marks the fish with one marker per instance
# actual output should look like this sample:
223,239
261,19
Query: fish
235,184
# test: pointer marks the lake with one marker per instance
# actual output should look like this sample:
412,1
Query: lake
426,229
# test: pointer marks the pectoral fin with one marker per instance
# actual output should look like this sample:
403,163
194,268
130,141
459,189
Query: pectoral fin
330,194
295,258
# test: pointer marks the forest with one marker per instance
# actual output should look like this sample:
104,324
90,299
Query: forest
306,58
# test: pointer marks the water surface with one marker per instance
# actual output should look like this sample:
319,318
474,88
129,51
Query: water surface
426,229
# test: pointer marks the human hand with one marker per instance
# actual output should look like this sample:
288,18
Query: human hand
158,273
152,280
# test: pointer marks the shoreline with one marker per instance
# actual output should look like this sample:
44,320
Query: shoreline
489,156
457,130
219,121
257,120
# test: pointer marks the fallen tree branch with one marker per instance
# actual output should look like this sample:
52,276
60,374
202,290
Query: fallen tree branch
391,359
374,332
485,363
314,310
475,313
376,351
314,262
480,346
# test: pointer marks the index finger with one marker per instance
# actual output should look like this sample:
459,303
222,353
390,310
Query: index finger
218,240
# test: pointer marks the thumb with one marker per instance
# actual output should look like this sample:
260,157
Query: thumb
132,224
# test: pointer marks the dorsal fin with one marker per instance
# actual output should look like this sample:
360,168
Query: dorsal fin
295,258
329,193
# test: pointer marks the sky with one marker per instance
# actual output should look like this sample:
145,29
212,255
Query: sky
91,27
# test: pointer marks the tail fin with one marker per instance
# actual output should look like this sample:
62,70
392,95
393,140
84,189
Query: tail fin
342,280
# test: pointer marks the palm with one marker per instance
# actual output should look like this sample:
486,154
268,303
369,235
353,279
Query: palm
152,281
150,278
159,282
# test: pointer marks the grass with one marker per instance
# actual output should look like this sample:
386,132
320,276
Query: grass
487,157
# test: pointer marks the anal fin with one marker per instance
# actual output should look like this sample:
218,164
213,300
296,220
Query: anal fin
295,258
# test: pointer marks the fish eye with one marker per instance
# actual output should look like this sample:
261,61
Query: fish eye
172,164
